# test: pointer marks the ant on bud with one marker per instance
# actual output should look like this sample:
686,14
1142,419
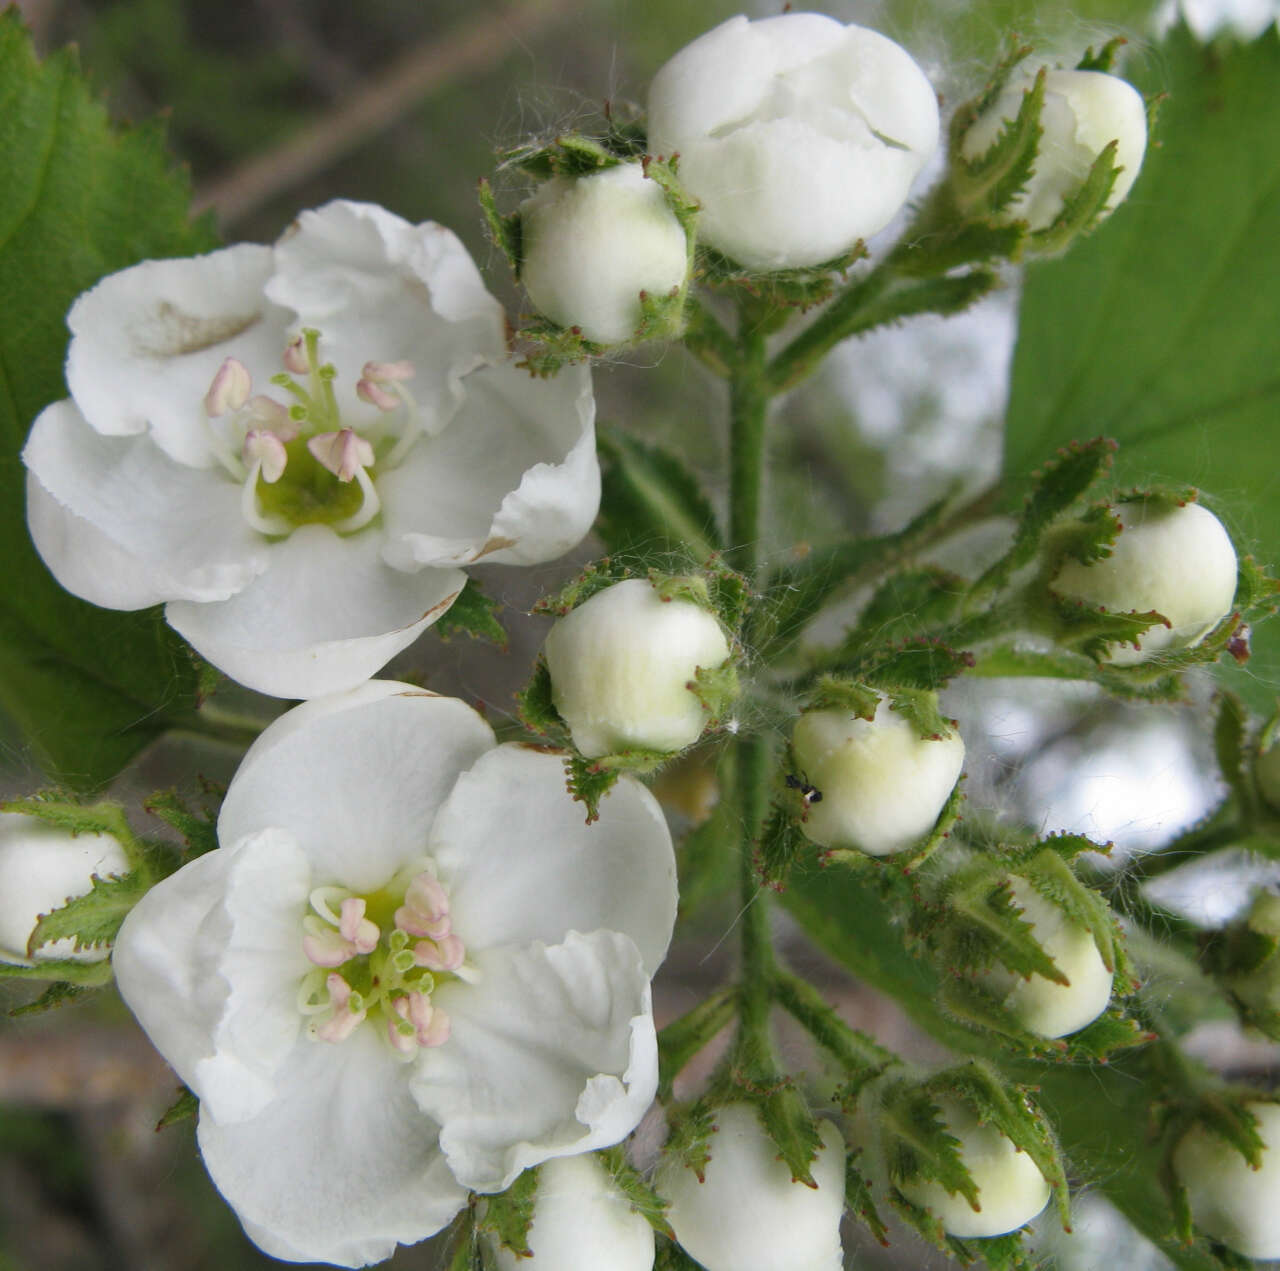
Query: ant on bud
810,794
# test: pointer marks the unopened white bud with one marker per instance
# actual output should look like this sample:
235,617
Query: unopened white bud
590,245
882,784
748,1214
798,135
1043,1006
41,868
1084,111
1229,1199
582,1222
621,665
1175,560
1011,1189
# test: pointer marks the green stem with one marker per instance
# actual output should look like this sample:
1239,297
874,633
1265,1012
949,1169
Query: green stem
859,1054
1218,833
706,338
748,411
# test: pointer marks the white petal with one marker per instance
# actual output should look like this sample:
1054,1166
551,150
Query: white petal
552,1053
380,289
325,616
210,959
521,864
181,526
342,1165
357,777
513,479
147,342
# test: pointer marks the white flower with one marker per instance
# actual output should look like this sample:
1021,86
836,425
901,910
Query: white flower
41,868
882,784
1083,112
747,1214
798,135
297,447
582,1222
621,665
1042,1006
590,245
410,970
1011,1189
1175,560
1230,1200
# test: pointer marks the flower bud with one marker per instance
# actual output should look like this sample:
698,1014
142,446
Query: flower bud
882,784
581,1222
1174,559
1229,1199
41,868
590,245
799,136
1043,1006
1083,112
748,1214
621,665
1011,1189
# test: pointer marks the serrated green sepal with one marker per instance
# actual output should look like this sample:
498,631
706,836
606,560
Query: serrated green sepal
57,994
717,688
589,780
984,925
596,577
911,675
1093,631
833,692
782,842
93,919
689,1143
473,614
1082,210
509,1215
661,316
506,232
785,1115
671,1257
570,155
639,1195
988,184
535,704
1105,58
1112,1031
915,1143
684,207
55,809
858,1200
183,1108
778,292
199,829
555,347
977,1008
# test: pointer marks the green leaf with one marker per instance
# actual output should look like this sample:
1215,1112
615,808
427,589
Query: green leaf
88,687
1155,329
509,1215
473,614
93,919
651,502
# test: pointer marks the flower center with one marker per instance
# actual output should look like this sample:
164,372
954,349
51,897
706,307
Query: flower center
380,956
299,462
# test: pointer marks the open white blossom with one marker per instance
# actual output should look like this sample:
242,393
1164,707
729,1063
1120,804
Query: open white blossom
410,969
798,135
41,868
296,447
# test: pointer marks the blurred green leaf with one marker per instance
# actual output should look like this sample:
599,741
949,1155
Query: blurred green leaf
88,687
1159,330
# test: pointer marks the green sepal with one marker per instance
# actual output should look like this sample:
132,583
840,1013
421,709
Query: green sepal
988,183
536,706
955,243
199,830
183,1108
1082,211
569,155
916,1145
1104,59
832,692
631,1183
1011,1111
1016,54
1087,629
730,596
105,817
671,1257
858,1200
912,674
661,315
683,1038
505,232
786,1118
1059,485
1227,1116
906,604
689,1143
57,994
919,707
984,924
555,347
92,920
972,1004
66,970
799,590
665,174
910,859
1113,1030
781,841
1000,1253
945,296
509,1215
596,577
589,780
473,614
717,688
782,289
465,1253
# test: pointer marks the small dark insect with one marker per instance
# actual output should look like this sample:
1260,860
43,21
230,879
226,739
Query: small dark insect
810,794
